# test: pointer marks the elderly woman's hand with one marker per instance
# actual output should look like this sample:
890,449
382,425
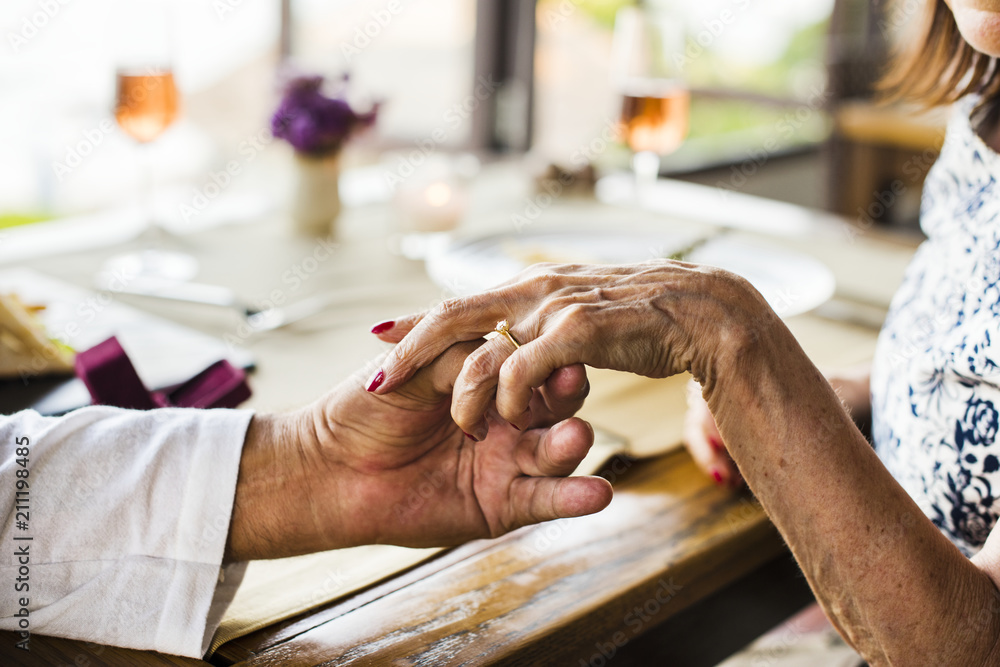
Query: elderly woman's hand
704,442
875,562
656,319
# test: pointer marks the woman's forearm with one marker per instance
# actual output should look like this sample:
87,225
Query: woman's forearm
894,585
897,588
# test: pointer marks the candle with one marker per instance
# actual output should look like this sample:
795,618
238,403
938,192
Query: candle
435,207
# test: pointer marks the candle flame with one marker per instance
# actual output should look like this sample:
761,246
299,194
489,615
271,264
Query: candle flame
438,194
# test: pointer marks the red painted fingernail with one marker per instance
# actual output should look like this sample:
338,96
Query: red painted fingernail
375,381
717,476
471,437
515,426
716,443
382,327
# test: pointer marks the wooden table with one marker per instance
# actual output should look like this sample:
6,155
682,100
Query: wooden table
672,546
584,589
555,594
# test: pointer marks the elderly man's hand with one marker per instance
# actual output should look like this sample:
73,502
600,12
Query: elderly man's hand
357,468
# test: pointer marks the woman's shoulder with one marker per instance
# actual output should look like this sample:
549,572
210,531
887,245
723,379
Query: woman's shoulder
961,135
959,190
964,144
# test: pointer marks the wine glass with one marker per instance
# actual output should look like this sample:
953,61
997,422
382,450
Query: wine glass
647,52
146,104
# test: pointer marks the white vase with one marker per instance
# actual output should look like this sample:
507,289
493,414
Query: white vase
316,202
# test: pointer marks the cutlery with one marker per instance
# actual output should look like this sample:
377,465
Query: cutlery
258,319
682,254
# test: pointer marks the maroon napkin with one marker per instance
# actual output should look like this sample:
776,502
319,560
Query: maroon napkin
111,379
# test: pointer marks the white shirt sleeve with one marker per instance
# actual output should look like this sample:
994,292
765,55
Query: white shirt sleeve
120,536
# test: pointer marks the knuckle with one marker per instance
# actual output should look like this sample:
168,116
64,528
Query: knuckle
509,372
460,414
542,282
479,365
596,294
573,297
402,353
450,309
726,281
551,306
537,269
578,315
549,279
464,407
506,409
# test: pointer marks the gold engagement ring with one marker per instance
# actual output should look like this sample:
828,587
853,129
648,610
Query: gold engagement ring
503,329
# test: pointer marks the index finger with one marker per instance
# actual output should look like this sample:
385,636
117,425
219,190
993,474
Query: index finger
532,364
453,321
468,318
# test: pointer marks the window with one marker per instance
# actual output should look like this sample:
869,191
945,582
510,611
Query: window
415,55
756,69
63,152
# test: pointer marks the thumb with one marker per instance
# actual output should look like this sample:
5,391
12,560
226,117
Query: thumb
537,499
436,381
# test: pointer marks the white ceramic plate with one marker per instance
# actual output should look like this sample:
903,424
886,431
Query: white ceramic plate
791,282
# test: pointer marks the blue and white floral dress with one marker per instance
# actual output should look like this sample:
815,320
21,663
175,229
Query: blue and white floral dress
936,376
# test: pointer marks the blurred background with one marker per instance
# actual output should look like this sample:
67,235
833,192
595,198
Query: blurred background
781,95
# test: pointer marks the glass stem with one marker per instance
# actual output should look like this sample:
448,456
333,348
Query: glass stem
154,232
646,165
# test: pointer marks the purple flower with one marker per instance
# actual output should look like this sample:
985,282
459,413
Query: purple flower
314,123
